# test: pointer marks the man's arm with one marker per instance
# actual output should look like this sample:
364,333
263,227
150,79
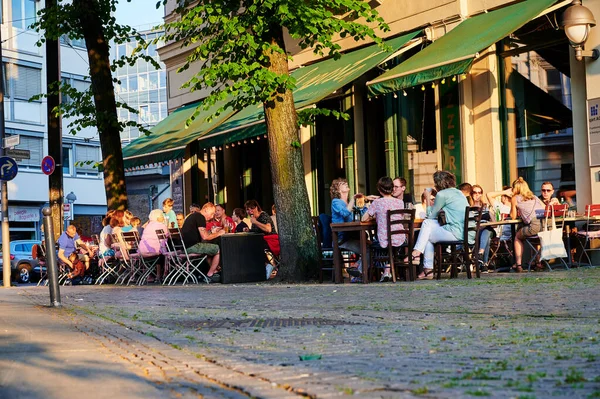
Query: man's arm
84,246
266,227
61,256
206,236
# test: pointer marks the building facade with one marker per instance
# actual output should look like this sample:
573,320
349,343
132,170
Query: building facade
489,89
25,75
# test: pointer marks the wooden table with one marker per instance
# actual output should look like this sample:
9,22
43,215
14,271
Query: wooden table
362,228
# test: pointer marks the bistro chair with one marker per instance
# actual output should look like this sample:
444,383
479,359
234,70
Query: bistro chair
462,252
589,236
184,264
324,249
108,264
534,244
400,222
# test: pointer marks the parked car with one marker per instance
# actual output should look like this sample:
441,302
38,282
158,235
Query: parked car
23,266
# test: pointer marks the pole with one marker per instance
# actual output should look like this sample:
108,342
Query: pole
55,180
6,266
51,261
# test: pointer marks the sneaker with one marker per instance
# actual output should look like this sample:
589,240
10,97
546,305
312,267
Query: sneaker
356,280
269,268
385,278
215,278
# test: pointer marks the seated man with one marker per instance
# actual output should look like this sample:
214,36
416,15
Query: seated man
195,234
547,194
221,220
69,242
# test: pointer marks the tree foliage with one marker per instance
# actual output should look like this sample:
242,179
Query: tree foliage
232,39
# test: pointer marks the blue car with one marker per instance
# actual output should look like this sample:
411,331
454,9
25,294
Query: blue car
23,265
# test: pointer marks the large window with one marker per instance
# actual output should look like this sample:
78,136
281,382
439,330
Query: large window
66,161
78,83
84,154
34,146
23,82
23,13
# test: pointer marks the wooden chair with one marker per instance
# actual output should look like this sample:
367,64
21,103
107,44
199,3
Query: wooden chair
533,242
324,250
590,235
461,251
400,222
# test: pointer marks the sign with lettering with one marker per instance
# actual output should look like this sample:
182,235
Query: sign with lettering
593,107
18,155
450,129
23,214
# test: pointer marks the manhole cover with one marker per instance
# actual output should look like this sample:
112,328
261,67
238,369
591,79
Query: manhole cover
249,323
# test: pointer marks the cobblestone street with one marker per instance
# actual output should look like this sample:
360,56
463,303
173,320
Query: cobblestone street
508,335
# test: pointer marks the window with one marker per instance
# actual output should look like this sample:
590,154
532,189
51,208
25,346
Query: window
66,155
35,147
23,13
23,82
64,39
133,83
162,78
79,84
121,51
86,153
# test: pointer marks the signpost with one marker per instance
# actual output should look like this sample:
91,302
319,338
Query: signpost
8,168
12,141
18,155
48,165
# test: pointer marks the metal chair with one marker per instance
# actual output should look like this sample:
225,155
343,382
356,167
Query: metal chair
588,237
107,264
533,242
461,251
184,264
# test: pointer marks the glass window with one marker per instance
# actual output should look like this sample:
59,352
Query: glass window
133,83
121,51
23,13
143,81
86,153
162,78
25,82
17,14
153,96
153,80
66,160
35,147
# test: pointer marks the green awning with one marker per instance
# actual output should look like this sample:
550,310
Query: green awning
454,53
169,137
313,83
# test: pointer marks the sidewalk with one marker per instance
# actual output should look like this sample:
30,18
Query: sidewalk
511,335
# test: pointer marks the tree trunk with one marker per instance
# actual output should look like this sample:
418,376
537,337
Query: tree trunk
296,236
104,99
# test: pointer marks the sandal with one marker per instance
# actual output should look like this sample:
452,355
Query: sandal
426,274
517,268
414,259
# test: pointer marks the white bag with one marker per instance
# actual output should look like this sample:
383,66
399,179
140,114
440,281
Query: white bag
552,241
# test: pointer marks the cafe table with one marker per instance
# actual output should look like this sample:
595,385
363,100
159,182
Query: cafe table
361,228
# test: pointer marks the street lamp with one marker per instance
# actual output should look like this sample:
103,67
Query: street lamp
71,197
577,21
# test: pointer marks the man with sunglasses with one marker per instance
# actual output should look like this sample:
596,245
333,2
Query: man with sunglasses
547,193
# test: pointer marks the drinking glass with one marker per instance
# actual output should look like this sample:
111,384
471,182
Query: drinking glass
360,201
409,205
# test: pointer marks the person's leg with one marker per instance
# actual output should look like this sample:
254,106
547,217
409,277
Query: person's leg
214,264
436,234
426,228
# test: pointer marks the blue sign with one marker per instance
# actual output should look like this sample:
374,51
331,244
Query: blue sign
48,165
8,168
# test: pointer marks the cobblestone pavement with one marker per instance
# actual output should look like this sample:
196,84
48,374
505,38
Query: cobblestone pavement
526,335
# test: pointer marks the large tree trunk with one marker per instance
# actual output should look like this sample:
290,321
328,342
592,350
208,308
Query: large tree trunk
296,236
104,99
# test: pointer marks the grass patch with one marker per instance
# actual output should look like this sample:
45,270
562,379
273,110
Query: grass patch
420,391
574,376
478,392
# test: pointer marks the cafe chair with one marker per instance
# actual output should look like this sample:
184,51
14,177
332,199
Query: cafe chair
534,244
108,264
461,252
273,252
181,262
588,237
501,256
324,246
400,222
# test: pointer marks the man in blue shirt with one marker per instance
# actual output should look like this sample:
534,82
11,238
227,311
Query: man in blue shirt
68,242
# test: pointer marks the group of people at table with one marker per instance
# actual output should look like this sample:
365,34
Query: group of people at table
515,202
200,231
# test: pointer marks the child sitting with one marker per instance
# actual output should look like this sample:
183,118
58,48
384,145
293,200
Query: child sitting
78,269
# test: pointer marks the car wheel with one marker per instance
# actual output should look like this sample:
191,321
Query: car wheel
24,273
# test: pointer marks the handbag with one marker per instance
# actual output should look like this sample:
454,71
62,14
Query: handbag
552,241
441,217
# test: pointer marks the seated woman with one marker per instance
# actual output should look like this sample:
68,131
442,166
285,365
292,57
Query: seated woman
238,216
341,211
421,209
453,203
262,223
379,209
485,238
524,203
150,244
104,240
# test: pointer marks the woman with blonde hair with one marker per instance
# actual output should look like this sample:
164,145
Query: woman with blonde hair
525,204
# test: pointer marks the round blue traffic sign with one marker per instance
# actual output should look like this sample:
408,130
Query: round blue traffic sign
8,168
48,165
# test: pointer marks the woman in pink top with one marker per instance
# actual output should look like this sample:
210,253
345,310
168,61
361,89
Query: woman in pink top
149,243
525,204
378,210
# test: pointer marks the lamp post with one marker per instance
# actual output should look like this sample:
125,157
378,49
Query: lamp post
71,198
577,21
